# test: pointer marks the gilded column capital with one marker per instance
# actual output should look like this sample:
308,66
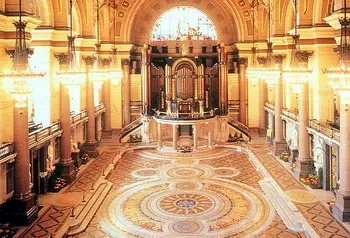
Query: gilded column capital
243,61
303,56
126,62
278,59
262,60
62,58
106,62
89,60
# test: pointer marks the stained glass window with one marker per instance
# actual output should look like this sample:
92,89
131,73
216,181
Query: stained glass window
183,23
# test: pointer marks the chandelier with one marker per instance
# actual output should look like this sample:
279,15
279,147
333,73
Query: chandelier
71,75
115,73
98,74
253,72
340,76
270,72
16,81
298,73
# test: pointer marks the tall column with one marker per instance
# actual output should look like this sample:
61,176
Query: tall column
272,132
168,94
279,144
146,80
159,130
303,160
22,208
175,137
341,209
194,127
223,80
106,97
242,91
262,114
106,88
91,143
65,166
127,91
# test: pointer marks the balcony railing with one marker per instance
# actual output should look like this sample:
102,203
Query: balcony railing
6,149
77,118
99,109
270,105
324,129
43,134
129,128
239,126
292,114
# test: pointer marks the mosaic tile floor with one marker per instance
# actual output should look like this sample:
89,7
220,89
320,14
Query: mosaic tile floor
209,194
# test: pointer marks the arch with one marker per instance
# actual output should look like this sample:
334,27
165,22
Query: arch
137,25
184,61
183,23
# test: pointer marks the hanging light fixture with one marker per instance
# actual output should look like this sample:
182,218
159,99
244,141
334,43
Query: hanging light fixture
17,80
98,74
115,73
340,76
71,76
270,72
298,73
253,71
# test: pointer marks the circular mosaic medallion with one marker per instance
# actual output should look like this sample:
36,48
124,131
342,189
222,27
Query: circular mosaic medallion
186,186
301,196
186,227
185,161
186,172
147,172
226,172
185,204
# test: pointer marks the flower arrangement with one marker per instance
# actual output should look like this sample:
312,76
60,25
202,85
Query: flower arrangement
310,180
293,166
235,138
59,184
185,149
85,159
285,156
330,204
6,230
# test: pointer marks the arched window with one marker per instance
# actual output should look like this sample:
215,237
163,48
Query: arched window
183,23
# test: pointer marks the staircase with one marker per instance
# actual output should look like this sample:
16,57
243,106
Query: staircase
129,129
239,128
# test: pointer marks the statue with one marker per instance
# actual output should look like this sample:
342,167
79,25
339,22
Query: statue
49,159
294,140
184,49
73,146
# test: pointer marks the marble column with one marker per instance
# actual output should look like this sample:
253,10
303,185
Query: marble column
65,166
223,80
168,93
91,143
175,137
341,209
126,93
22,206
262,113
146,80
242,91
106,88
270,118
279,143
303,160
194,127
159,141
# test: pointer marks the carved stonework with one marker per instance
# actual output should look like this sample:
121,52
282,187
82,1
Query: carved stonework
243,60
278,59
11,53
89,60
303,56
106,62
62,58
262,60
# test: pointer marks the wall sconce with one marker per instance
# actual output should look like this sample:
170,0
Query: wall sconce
346,108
